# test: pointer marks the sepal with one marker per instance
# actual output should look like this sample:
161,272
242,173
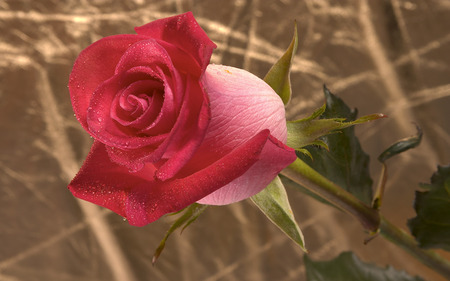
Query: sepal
273,202
278,76
189,215
307,131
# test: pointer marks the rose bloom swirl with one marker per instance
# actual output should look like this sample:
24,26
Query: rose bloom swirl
169,128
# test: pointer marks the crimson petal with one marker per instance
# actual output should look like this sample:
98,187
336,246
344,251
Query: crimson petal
143,200
93,66
183,31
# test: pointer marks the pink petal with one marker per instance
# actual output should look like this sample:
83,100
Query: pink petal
274,157
242,105
94,65
183,32
143,200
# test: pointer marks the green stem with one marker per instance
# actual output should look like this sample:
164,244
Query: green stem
409,244
309,178
370,218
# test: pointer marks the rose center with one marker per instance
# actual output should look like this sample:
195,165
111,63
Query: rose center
139,104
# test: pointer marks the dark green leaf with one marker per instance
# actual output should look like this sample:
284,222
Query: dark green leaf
274,203
347,267
401,146
189,215
431,226
278,76
345,163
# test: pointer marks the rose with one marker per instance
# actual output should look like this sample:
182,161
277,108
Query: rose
168,129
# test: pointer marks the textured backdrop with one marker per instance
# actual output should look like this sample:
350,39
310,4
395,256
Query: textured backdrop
379,56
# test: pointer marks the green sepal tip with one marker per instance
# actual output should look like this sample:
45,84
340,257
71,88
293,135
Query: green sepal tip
278,76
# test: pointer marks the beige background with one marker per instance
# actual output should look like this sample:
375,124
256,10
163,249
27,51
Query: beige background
380,56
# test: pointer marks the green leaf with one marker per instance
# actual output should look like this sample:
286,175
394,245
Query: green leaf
431,226
189,215
401,146
345,163
347,267
273,202
278,76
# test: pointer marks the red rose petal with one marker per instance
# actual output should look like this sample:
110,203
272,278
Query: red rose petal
148,53
184,32
177,146
139,104
93,66
143,200
192,125
104,128
105,183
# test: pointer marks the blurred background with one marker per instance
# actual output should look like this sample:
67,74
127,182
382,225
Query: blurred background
379,56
